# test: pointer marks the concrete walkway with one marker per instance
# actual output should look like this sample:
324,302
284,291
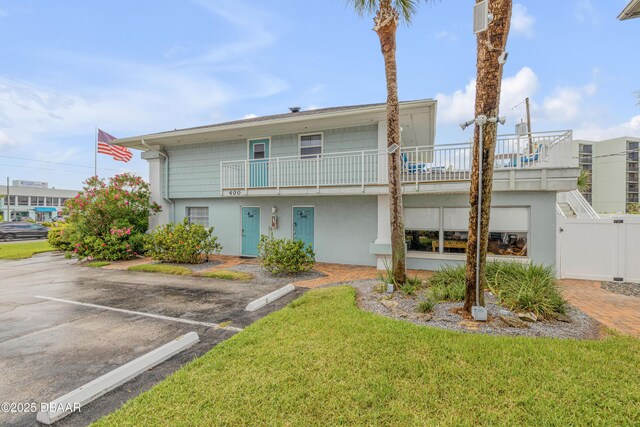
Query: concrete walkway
619,312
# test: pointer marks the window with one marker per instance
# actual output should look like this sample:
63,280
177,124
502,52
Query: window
50,201
23,200
508,230
259,150
198,215
310,146
422,229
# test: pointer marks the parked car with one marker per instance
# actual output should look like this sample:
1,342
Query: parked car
22,230
58,218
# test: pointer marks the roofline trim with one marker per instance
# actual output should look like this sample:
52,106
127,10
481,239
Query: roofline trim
135,141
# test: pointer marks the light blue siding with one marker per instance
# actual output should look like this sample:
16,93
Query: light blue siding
194,170
344,226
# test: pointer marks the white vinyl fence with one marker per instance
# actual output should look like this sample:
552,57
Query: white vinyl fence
599,249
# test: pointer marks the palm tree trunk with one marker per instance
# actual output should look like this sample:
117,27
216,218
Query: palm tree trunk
386,24
490,45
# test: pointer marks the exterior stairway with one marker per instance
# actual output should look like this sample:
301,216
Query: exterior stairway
566,210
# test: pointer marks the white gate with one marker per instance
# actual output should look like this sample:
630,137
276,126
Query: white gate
599,249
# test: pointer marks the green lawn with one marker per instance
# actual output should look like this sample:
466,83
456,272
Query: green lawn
161,268
97,264
228,275
24,250
323,361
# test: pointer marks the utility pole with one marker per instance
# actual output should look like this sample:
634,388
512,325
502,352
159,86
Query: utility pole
529,125
8,202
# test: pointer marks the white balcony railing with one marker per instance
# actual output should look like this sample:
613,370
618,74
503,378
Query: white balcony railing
419,164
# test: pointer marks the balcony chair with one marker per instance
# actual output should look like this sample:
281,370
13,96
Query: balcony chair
529,158
412,167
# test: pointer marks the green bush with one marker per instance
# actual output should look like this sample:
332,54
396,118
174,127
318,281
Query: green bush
411,286
526,287
107,220
426,306
60,238
519,287
288,256
183,243
448,284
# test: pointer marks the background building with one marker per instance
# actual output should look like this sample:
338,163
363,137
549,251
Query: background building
613,164
33,199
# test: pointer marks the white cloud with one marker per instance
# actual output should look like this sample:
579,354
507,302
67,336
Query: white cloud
567,103
446,35
5,141
250,116
585,12
592,131
521,22
459,106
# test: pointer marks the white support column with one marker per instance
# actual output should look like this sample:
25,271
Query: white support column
384,230
156,183
383,177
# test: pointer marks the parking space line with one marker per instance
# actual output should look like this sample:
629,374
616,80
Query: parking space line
139,313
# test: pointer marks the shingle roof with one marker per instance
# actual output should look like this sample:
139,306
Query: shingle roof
280,116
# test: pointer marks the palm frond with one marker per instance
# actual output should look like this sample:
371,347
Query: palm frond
405,8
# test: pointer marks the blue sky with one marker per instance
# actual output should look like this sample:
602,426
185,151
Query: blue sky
144,66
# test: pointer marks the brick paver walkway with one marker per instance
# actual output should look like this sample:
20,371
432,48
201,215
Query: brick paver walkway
616,311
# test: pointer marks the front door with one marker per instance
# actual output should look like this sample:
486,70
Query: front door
259,163
250,231
303,219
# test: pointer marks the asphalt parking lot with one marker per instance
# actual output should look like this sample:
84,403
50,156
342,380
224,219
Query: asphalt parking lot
63,325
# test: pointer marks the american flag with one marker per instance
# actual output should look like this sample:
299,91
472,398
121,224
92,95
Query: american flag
119,153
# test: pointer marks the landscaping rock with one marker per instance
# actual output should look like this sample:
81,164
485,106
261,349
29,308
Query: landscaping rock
390,304
563,318
425,317
399,313
514,322
505,313
527,317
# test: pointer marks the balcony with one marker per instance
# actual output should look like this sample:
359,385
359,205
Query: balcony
366,171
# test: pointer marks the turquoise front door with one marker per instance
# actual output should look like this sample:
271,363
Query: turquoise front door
250,231
259,163
303,220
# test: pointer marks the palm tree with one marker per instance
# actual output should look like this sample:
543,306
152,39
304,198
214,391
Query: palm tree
490,45
388,14
584,180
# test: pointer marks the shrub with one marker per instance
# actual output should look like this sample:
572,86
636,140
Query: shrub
183,243
523,287
108,219
426,306
411,286
60,238
284,255
161,268
228,275
448,284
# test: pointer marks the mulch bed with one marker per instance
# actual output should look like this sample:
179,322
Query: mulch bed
448,315
623,288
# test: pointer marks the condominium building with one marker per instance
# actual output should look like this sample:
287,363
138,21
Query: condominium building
613,164
32,200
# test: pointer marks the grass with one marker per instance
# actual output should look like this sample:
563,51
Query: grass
161,268
521,287
97,264
322,361
448,284
228,275
24,250
530,288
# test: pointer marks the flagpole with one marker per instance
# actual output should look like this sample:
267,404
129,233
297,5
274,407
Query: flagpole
95,154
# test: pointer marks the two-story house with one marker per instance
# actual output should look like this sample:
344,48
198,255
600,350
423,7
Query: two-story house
320,176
